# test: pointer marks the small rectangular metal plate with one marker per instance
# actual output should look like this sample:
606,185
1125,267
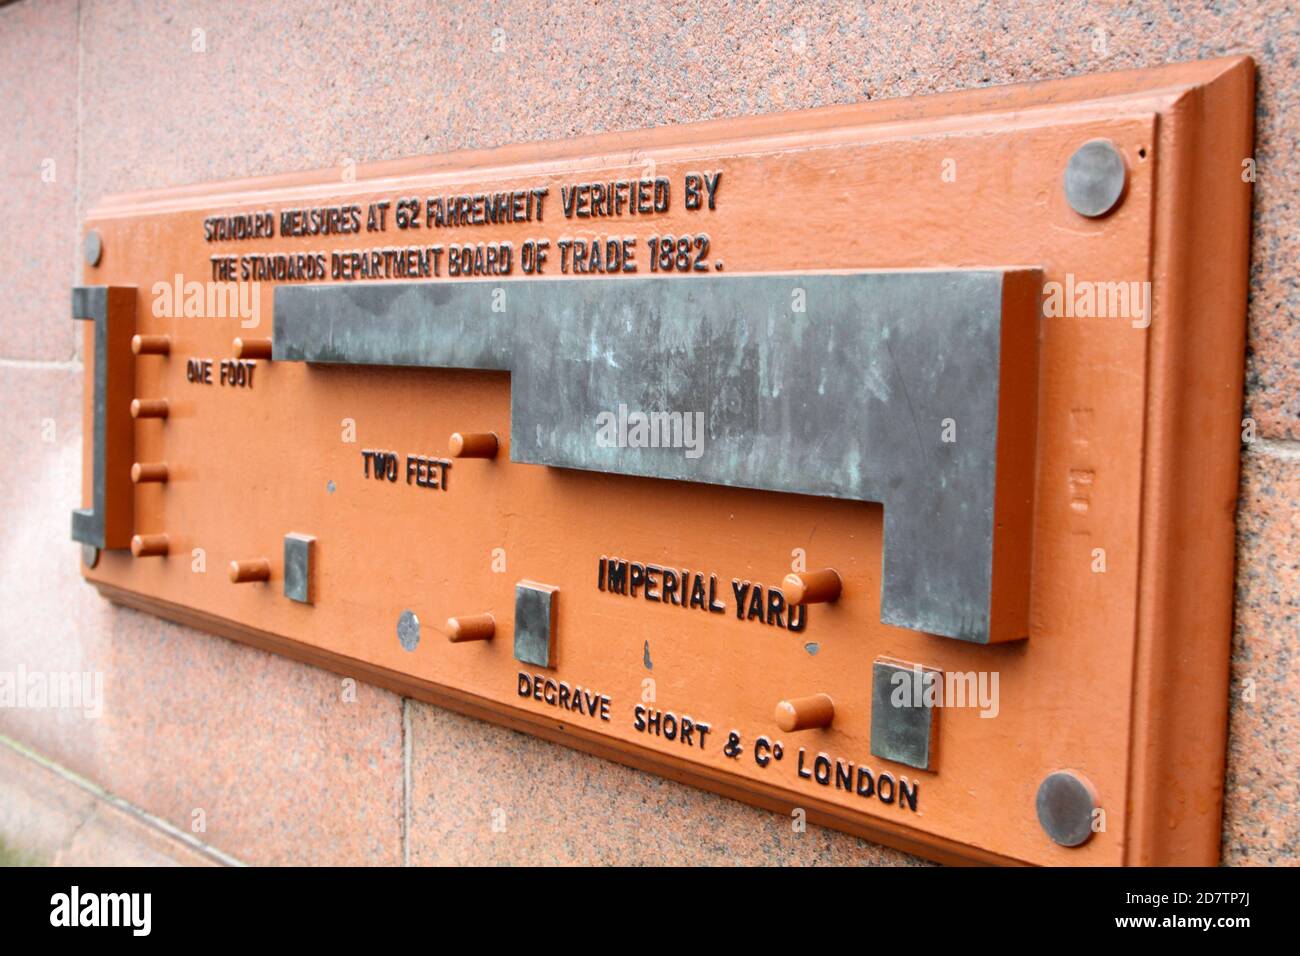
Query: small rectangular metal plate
535,624
299,552
904,713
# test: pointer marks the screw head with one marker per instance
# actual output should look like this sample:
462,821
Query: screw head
93,248
1095,178
89,555
1066,802
408,630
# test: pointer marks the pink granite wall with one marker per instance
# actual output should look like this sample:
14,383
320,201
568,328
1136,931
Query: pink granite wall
102,97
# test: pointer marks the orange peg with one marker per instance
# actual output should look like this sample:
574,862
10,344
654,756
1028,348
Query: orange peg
253,348
148,408
474,445
812,587
242,572
804,713
149,545
473,627
142,472
151,344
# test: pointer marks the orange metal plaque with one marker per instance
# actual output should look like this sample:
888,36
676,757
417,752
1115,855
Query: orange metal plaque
347,418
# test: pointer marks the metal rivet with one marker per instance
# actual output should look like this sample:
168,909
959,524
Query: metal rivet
408,630
1066,803
93,248
89,555
1095,178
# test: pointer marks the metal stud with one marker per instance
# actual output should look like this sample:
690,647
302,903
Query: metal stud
93,248
1095,178
408,630
1066,804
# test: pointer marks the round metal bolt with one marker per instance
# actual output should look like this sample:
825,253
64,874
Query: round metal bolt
1066,802
408,630
94,248
89,555
1095,178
